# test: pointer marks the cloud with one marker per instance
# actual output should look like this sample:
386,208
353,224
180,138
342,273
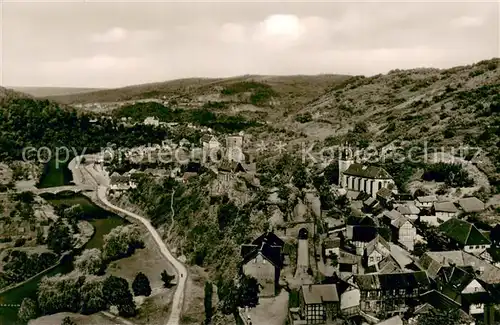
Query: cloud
113,35
466,21
232,33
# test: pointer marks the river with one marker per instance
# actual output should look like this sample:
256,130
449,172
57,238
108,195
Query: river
103,222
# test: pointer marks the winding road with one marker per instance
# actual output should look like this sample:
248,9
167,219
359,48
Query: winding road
178,300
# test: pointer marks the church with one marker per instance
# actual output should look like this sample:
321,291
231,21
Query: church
358,177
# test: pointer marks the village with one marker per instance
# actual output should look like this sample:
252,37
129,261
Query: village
378,257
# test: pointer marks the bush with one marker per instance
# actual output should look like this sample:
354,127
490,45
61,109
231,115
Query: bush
89,262
141,286
28,310
451,174
122,241
303,118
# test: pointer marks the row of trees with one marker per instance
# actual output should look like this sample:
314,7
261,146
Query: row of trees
20,266
87,295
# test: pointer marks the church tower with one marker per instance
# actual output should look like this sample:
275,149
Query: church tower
346,159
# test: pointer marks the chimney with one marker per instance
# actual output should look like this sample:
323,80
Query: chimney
481,270
310,288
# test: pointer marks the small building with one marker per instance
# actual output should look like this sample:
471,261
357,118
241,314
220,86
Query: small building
319,303
349,302
263,260
403,229
360,236
396,320
408,210
444,210
376,250
426,201
471,205
332,246
465,236
492,255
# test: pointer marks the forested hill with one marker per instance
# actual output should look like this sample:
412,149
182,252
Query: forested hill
25,122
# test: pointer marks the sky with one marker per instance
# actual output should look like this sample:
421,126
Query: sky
118,43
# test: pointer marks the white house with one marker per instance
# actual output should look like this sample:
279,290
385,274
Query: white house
358,177
210,145
377,250
151,120
408,210
445,210
426,201
234,147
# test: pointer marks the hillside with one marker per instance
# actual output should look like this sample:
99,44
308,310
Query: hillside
52,91
7,94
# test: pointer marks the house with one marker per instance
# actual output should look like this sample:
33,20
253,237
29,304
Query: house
349,302
461,285
151,120
408,210
433,301
403,230
119,182
263,259
264,263
234,147
388,293
210,146
375,251
492,255
348,264
319,303
426,201
444,210
465,235
334,225
435,263
358,177
360,236
332,246
352,195
385,197
471,205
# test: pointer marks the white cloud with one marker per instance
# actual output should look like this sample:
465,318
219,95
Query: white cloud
113,35
466,21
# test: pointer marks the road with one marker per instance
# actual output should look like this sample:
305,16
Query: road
178,300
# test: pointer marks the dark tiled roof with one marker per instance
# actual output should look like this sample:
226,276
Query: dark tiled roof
463,232
363,234
392,281
269,238
438,300
271,253
367,171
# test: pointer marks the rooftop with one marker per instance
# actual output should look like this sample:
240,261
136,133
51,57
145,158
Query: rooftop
405,280
471,204
463,232
445,207
319,293
373,172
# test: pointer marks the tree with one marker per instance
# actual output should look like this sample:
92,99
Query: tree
440,317
228,297
121,242
93,299
335,260
420,249
300,176
89,262
495,235
116,290
167,279
28,310
141,286
248,292
59,237
68,321
208,302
